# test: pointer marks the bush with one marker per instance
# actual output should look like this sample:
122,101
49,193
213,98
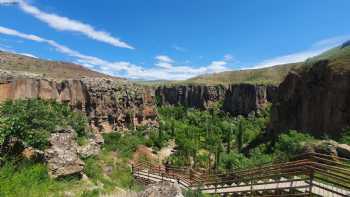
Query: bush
291,143
345,138
33,120
125,145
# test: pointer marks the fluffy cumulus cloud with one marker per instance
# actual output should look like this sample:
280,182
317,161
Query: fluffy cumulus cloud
164,68
62,23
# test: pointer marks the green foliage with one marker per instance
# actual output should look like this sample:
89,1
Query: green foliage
92,168
291,143
125,145
33,120
28,179
191,193
208,139
345,138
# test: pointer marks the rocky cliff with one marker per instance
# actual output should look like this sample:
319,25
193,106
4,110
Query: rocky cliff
238,99
109,105
315,100
241,99
195,96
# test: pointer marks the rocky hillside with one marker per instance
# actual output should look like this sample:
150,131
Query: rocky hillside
237,99
19,65
272,75
316,98
109,104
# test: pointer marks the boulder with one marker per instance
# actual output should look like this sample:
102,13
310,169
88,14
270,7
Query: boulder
328,147
62,157
343,150
92,148
162,189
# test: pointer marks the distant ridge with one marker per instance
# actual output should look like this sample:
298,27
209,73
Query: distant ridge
345,44
339,60
10,62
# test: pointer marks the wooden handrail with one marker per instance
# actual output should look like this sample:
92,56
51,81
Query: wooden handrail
322,168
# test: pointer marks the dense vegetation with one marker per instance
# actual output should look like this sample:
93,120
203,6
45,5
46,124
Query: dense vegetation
32,121
209,140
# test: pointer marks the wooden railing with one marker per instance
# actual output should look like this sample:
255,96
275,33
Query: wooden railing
309,174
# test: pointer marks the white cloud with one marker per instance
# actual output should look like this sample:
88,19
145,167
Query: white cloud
9,2
28,55
316,49
164,65
164,58
19,53
228,57
66,24
217,66
163,69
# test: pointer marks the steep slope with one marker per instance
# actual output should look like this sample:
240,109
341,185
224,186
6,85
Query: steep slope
14,64
316,98
272,75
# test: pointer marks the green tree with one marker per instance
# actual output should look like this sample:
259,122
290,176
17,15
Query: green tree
33,120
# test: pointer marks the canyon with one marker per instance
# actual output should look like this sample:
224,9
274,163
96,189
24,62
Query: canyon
313,97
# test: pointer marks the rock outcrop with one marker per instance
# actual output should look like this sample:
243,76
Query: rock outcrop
315,100
194,96
241,99
109,105
238,99
162,189
92,147
62,157
328,147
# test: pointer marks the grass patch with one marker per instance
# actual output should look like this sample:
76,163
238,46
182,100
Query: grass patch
30,179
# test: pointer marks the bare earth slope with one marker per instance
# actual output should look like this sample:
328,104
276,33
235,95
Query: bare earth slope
24,65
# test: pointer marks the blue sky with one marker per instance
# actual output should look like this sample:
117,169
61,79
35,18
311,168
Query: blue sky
178,39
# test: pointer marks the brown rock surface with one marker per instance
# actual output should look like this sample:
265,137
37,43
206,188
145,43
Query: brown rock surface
196,96
109,105
241,99
62,156
315,100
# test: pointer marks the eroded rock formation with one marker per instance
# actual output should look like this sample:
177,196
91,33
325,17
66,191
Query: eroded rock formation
109,105
241,99
62,157
238,99
195,96
316,100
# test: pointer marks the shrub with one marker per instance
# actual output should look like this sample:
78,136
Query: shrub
291,143
345,138
125,145
33,120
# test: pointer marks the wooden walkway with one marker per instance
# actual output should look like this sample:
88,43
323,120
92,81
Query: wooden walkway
311,175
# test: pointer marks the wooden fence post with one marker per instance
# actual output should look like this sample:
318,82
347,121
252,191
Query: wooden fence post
251,185
311,182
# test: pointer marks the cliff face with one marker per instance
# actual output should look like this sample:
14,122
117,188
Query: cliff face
195,96
241,99
316,101
109,105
